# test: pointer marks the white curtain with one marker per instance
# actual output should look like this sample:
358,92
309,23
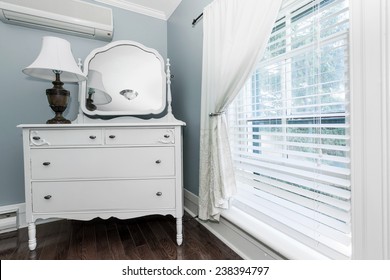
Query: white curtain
235,33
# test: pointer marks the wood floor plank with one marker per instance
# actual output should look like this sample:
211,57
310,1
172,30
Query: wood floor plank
102,246
114,241
136,234
213,244
48,240
145,238
127,241
76,238
88,244
166,243
153,242
63,241
8,245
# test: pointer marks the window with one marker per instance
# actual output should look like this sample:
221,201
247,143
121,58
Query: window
289,129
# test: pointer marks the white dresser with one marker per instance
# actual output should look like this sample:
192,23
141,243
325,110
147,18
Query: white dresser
82,171
103,165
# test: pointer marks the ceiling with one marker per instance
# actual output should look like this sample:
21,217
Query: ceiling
161,9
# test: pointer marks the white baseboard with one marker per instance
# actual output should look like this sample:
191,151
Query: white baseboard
239,241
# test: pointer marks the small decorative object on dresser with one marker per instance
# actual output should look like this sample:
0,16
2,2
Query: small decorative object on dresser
121,157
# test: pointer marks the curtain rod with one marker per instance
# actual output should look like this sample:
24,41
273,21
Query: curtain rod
195,21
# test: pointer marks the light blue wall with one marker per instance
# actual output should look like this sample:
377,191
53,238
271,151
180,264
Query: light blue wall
185,52
23,99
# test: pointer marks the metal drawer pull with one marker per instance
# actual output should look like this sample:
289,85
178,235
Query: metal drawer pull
46,163
112,136
47,196
166,136
158,161
92,137
36,138
159,193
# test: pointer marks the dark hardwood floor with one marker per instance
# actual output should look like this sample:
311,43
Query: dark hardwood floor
146,238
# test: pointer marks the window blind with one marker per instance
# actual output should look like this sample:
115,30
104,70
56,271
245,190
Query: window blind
289,129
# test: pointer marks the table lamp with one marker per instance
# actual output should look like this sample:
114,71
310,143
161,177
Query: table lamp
56,63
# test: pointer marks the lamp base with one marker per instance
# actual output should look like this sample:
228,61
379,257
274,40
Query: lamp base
58,120
58,97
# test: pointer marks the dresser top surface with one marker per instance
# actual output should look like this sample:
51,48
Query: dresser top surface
97,125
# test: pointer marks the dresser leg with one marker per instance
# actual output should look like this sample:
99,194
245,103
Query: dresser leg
179,230
32,241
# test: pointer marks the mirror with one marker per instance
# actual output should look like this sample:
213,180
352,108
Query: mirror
124,78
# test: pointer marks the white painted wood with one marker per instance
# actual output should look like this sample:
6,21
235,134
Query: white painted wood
68,177
32,241
179,231
49,197
58,137
386,127
141,136
370,128
100,163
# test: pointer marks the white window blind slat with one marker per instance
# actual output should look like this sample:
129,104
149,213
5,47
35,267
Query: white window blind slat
302,135
307,216
330,203
276,152
289,129
276,208
298,231
261,146
247,163
329,190
305,162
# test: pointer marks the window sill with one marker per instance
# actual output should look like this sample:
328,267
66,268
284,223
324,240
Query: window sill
279,242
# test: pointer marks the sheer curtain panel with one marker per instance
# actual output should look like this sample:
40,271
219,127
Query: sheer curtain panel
234,37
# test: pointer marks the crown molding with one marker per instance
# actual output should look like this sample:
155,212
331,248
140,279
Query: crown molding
136,8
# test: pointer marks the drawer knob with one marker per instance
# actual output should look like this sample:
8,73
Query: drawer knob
46,163
92,137
166,136
112,136
158,161
47,196
159,193
36,138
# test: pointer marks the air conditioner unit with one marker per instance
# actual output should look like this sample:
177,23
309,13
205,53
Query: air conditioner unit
73,17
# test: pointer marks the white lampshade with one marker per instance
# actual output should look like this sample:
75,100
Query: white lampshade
95,81
55,54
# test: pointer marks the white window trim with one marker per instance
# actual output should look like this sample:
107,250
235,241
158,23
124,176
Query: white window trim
370,127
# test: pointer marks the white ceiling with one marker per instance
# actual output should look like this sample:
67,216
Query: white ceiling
161,9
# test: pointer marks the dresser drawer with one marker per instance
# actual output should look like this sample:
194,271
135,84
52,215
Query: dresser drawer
139,136
85,163
66,137
51,197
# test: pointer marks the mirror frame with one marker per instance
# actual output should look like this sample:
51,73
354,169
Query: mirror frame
83,92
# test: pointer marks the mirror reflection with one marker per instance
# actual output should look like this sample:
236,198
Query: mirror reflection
125,79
